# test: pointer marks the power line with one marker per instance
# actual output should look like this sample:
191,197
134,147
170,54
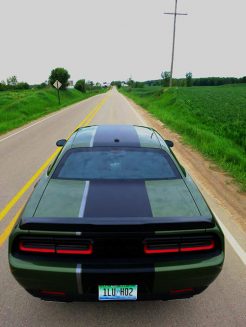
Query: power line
175,14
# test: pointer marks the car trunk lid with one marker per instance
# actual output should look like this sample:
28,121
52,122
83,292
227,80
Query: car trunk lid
91,199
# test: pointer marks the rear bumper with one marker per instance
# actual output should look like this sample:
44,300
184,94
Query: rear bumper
80,282
92,297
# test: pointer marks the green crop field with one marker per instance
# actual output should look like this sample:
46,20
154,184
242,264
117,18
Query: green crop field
20,107
211,119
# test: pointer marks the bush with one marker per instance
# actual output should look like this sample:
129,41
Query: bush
41,86
3,86
22,86
80,85
18,86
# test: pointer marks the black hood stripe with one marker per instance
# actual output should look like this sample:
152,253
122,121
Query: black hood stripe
116,135
117,199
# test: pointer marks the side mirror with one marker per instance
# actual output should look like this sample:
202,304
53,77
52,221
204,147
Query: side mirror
169,143
61,142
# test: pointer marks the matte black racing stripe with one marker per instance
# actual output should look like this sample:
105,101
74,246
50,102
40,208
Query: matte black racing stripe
117,135
117,199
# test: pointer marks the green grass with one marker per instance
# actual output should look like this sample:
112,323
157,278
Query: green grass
20,107
211,119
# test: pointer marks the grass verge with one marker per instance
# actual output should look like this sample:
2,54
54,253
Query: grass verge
210,119
20,107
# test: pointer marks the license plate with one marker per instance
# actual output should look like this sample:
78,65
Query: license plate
117,292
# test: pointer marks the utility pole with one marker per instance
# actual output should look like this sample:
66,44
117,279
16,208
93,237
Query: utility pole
175,14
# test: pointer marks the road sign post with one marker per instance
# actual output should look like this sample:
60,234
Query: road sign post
57,85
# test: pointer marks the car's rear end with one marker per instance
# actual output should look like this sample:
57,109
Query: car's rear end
173,259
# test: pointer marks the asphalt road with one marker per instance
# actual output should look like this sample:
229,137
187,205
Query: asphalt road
22,152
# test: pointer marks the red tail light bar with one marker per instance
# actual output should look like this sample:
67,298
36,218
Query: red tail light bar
191,248
70,249
36,248
195,246
150,250
87,251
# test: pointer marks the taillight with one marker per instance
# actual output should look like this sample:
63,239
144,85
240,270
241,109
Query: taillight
83,249
179,246
36,248
159,248
198,246
55,247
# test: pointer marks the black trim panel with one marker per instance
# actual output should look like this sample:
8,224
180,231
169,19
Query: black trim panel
93,276
116,224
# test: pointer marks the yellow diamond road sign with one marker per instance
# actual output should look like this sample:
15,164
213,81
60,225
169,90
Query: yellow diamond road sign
57,84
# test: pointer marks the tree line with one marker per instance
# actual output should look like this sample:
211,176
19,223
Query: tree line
12,84
189,80
61,74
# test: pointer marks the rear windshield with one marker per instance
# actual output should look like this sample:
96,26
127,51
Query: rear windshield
116,164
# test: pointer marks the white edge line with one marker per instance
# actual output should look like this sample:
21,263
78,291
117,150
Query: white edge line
46,118
78,277
143,122
234,244
84,198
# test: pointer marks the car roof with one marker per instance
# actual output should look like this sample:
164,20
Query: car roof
117,136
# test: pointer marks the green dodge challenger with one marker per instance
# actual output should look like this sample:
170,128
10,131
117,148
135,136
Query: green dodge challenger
116,217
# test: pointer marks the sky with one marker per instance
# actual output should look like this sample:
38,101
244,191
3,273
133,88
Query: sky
105,40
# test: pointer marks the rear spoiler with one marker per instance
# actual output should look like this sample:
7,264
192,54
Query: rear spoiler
108,224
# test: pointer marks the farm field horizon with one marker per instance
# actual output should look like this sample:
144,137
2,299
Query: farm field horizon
212,119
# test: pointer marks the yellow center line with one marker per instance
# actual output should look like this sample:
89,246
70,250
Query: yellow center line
10,226
24,189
